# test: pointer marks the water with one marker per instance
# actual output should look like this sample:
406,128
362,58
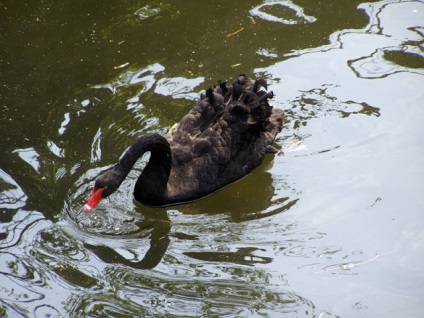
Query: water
332,228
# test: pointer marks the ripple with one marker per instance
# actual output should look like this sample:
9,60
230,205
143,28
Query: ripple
144,78
409,57
46,311
53,241
11,194
21,225
18,279
113,216
403,23
294,13
30,156
147,12
178,87
318,102
13,266
74,276
242,256
401,20
378,66
104,304
64,124
153,294
96,151
55,149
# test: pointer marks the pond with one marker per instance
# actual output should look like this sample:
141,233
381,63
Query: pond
331,228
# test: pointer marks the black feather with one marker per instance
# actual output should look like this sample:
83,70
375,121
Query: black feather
223,138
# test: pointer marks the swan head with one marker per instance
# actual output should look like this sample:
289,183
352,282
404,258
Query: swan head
104,186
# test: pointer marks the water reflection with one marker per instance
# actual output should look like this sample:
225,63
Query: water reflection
30,156
252,198
11,195
243,256
25,282
402,22
377,64
247,250
291,13
138,225
144,78
159,242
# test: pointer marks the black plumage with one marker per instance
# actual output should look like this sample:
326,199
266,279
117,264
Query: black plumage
223,138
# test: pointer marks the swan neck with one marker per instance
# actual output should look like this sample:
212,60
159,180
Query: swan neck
151,185
156,144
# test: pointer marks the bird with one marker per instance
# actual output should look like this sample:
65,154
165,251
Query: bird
224,137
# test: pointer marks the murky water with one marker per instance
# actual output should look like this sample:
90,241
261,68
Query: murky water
333,228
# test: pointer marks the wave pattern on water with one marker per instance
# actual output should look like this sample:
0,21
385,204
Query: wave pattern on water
292,13
325,216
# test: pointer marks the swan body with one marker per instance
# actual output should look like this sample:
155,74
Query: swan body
223,138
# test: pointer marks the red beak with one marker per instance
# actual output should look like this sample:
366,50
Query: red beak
96,197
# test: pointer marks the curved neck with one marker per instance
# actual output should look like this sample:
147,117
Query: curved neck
151,185
156,144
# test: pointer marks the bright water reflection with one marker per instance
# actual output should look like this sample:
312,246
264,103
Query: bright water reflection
330,229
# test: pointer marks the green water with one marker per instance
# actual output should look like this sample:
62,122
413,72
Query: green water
333,228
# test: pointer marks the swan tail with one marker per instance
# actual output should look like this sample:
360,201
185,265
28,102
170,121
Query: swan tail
260,82
253,101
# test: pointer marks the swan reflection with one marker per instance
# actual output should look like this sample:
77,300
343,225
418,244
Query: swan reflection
240,202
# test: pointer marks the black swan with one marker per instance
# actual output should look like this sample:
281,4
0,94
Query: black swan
223,138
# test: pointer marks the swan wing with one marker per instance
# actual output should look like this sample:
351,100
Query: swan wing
224,137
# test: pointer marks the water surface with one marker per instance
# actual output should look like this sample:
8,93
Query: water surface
332,228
